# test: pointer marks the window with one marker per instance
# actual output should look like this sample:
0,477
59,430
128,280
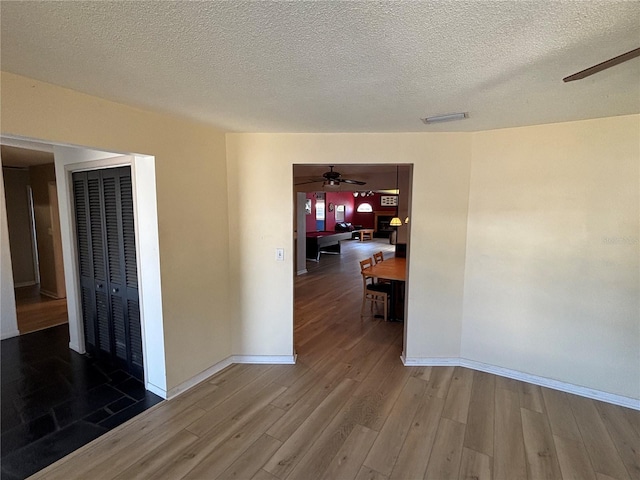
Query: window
364,208
320,209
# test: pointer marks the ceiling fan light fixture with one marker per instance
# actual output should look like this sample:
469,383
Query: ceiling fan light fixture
449,117
395,221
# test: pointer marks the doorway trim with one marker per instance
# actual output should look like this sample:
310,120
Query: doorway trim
147,253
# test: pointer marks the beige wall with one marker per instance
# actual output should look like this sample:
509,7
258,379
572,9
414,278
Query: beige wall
16,182
551,284
524,242
192,204
260,170
549,262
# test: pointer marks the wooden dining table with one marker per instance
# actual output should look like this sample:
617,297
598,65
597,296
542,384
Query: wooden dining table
395,270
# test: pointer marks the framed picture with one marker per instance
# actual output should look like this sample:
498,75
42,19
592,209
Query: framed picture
389,200
307,206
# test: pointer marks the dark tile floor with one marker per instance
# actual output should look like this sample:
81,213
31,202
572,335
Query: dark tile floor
55,400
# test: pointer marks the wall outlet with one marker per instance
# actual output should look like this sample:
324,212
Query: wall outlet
280,254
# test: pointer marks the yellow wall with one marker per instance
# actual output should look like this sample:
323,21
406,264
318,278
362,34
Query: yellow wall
532,231
192,204
260,170
551,284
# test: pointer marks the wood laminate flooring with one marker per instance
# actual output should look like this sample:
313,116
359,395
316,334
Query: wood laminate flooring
349,409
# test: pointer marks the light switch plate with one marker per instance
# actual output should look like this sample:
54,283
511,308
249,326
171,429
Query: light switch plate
280,254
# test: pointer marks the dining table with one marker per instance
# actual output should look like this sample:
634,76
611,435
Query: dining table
393,269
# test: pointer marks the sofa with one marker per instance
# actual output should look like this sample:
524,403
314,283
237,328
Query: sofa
348,227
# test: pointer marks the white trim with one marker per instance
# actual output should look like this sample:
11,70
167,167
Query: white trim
143,175
430,361
157,390
202,376
195,380
524,377
302,272
13,333
30,283
265,359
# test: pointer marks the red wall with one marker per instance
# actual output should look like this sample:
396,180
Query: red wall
367,220
337,198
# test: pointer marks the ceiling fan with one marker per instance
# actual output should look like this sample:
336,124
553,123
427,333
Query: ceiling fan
603,66
333,179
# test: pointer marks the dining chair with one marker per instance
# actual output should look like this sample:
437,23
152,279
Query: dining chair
377,258
372,291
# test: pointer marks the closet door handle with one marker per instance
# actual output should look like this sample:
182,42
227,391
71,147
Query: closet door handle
115,290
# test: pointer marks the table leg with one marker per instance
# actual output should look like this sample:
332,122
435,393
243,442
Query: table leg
396,313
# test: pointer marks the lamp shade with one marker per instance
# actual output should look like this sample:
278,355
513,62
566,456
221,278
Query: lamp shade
395,222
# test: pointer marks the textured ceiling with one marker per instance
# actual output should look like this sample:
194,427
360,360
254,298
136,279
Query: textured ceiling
335,66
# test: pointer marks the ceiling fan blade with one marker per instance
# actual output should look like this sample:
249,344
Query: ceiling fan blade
603,66
310,181
352,182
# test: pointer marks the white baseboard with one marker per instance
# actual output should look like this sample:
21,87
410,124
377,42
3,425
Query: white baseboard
265,359
11,334
302,272
76,348
524,377
193,381
430,361
161,392
30,283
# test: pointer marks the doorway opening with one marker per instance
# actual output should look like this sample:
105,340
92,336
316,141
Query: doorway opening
34,237
328,285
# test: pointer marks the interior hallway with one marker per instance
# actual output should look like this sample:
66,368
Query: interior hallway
349,409
36,311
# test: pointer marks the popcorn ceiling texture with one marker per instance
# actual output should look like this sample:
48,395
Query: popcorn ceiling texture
334,66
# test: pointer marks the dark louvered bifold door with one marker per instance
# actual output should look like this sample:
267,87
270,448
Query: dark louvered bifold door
107,261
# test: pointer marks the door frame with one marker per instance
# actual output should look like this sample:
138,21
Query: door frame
69,160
